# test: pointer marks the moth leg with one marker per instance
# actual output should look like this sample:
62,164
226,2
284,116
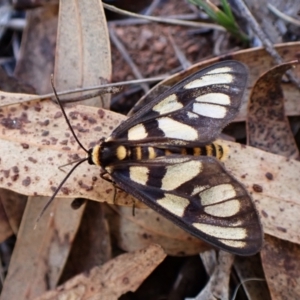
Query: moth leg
133,209
104,175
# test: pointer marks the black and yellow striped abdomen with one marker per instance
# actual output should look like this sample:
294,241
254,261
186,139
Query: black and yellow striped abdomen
107,155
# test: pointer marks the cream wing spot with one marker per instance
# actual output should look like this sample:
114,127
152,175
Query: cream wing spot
192,115
220,70
137,132
168,105
139,174
177,130
178,174
215,98
217,193
210,110
210,79
172,160
227,233
198,189
224,209
234,244
174,204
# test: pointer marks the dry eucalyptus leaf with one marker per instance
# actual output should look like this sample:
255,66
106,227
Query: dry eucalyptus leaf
258,62
282,268
12,84
147,227
274,185
268,127
85,58
40,251
14,98
39,135
37,132
120,275
92,244
218,284
5,228
36,57
269,130
250,272
13,205
52,244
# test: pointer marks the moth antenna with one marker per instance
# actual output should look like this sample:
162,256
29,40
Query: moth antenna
57,190
75,166
68,164
65,116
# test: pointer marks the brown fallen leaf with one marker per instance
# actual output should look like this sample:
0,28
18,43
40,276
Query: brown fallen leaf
37,132
5,228
118,276
250,273
282,268
146,227
12,207
37,48
92,245
268,126
82,55
40,251
269,129
218,284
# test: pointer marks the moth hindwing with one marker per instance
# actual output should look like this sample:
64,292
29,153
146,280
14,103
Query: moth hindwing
165,156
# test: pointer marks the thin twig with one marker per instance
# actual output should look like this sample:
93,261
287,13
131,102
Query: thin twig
282,16
127,57
105,87
151,7
163,19
185,63
112,90
135,21
263,37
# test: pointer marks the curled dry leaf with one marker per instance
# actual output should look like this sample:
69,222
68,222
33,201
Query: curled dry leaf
120,275
268,126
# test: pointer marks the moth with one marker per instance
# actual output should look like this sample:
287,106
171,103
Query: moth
166,156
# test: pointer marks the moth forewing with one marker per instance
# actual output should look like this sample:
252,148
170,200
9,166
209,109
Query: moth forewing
205,101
